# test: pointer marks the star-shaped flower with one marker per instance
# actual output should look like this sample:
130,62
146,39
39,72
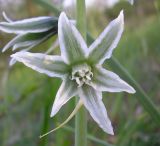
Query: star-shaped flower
81,69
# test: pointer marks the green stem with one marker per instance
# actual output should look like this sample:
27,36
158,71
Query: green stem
81,118
45,125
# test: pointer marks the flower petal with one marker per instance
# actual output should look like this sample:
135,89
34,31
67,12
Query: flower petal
104,45
6,17
28,39
92,100
72,45
53,66
67,90
104,80
12,62
33,43
31,25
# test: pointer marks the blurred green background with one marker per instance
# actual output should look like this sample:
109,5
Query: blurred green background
26,97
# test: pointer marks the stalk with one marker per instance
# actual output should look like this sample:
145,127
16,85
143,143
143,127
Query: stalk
81,117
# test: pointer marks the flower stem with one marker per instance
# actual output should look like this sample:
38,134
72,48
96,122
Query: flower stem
81,118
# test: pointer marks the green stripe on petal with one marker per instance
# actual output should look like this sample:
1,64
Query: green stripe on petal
92,100
28,39
32,25
53,66
67,90
72,45
104,80
104,45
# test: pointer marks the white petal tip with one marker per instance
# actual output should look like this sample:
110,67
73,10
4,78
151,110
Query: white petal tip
53,112
4,14
121,15
3,50
62,15
132,91
14,55
51,115
109,131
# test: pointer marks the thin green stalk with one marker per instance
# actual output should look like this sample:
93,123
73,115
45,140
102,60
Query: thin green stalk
46,118
45,125
81,117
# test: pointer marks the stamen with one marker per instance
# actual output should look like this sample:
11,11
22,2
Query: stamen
82,74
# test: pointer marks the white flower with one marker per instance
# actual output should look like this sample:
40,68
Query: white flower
30,32
81,69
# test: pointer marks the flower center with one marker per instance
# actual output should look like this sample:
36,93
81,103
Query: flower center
82,74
